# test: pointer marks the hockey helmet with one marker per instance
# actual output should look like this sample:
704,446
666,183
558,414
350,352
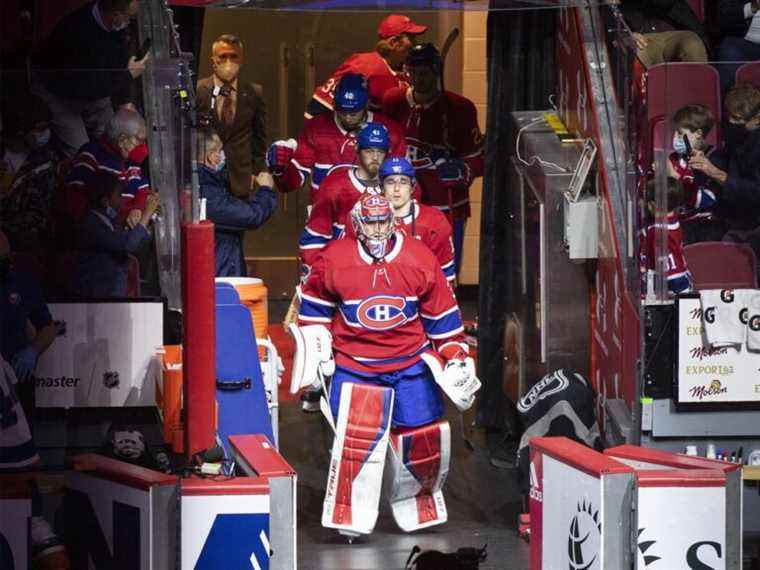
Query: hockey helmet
373,135
424,55
352,93
394,166
375,209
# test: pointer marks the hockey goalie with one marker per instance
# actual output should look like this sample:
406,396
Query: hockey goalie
379,317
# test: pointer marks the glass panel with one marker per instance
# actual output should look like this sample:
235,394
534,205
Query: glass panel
408,5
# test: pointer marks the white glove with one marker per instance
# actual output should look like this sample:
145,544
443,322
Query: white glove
313,354
457,379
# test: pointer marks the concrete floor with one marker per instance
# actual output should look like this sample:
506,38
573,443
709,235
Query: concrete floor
482,502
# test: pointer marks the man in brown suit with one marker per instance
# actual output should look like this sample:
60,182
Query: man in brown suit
237,113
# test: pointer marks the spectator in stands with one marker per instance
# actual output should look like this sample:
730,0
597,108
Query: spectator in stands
25,208
740,28
232,216
236,111
678,275
665,30
104,247
738,168
121,151
691,125
26,327
84,70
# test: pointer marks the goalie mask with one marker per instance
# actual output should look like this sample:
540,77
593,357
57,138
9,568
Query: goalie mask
372,220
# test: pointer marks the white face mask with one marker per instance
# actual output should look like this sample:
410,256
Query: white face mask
679,146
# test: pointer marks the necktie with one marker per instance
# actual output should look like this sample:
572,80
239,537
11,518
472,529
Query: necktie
227,112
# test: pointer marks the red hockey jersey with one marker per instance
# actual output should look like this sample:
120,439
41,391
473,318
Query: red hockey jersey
678,275
382,315
380,78
338,193
324,144
432,228
446,128
700,193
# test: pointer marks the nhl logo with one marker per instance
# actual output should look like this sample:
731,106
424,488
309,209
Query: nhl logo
584,539
111,379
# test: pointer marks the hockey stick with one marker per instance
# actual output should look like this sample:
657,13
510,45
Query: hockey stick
291,316
447,43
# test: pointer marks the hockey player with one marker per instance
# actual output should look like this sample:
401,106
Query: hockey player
397,337
444,143
383,67
416,220
340,190
330,139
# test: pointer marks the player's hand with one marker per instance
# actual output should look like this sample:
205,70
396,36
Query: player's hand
279,155
133,218
641,41
264,178
137,67
454,172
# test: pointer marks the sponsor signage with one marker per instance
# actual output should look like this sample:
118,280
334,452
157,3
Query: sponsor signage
707,375
105,357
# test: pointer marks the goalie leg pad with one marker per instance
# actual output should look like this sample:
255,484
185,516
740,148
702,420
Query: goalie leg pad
419,465
355,475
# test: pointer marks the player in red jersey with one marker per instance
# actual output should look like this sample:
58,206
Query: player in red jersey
340,190
444,143
330,139
393,320
419,221
383,67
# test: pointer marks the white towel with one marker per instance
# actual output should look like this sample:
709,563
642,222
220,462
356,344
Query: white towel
724,316
753,323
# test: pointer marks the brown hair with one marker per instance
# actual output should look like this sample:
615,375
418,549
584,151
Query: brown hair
674,196
694,118
206,139
229,39
743,100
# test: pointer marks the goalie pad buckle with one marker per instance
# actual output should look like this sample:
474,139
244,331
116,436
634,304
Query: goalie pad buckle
313,354
354,479
419,466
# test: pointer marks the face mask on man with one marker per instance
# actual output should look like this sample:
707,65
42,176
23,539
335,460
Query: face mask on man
219,166
41,138
227,71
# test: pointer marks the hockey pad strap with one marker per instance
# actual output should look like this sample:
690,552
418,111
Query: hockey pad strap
457,379
355,475
313,354
419,464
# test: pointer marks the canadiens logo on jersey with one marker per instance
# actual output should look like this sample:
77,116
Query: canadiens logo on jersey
381,312
422,154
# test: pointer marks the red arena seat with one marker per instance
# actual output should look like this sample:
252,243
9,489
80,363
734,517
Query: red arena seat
749,73
698,6
670,86
737,268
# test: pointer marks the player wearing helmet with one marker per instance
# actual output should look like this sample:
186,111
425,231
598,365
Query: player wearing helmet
422,222
340,190
444,143
383,67
330,139
397,338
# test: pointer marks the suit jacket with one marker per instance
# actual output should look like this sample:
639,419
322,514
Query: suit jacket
731,18
677,13
245,141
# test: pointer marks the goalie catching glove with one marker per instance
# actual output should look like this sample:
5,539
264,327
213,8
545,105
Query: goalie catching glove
456,378
313,354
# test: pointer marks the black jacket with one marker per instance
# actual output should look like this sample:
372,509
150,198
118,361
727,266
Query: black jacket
677,13
739,200
81,60
731,18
